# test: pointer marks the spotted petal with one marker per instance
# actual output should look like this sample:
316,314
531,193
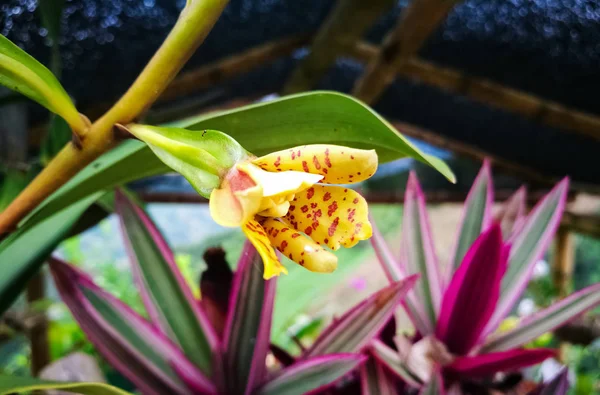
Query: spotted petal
258,237
299,248
330,215
337,164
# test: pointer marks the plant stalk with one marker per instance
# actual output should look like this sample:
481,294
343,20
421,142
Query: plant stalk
192,27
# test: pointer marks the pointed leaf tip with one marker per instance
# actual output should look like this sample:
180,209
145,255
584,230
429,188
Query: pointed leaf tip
476,216
358,326
22,73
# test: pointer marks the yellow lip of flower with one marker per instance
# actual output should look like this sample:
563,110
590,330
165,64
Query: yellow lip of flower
280,200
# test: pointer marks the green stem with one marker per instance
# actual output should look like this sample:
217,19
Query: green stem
192,27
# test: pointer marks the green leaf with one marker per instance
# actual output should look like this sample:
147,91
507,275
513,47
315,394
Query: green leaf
314,118
14,182
18,385
313,375
167,298
477,215
22,253
24,74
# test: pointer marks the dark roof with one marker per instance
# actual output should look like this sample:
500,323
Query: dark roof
549,48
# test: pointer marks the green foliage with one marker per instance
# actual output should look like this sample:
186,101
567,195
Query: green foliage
20,384
24,74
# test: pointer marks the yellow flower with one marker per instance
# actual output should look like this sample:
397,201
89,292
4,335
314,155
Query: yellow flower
283,200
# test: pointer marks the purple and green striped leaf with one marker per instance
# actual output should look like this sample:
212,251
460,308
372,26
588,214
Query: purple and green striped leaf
313,375
127,341
504,361
435,386
558,385
20,384
375,380
471,296
361,324
512,214
166,296
546,320
248,328
476,217
391,359
528,245
418,255
394,272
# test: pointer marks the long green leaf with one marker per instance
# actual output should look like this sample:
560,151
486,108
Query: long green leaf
528,245
24,74
22,253
313,375
20,384
546,320
315,118
295,120
167,297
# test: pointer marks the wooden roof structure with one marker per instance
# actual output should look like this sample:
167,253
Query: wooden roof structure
513,82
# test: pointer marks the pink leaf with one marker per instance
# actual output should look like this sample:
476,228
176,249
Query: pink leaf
506,361
476,217
473,292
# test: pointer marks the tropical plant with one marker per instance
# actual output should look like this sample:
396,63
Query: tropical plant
99,156
218,344
456,312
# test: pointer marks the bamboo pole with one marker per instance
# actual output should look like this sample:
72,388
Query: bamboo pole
416,23
493,94
564,261
346,24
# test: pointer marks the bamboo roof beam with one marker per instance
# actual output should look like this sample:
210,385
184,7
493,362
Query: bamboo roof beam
416,23
523,172
493,94
344,26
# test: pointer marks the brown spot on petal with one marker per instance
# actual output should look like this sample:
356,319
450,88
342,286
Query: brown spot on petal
308,230
277,163
313,205
332,208
310,191
355,200
292,208
305,166
327,161
283,245
327,196
333,226
284,230
351,215
351,156
326,240
293,155
304,208
316,162
298,234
